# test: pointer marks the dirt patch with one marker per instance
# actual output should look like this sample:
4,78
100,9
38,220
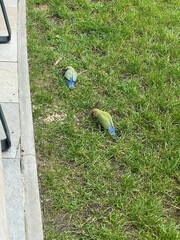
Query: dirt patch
54,19
55,117
98,51
43,7
63,221
131,231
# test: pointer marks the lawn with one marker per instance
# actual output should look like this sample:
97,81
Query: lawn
127,56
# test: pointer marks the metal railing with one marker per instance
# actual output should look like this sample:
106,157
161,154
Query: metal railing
5,39
5,143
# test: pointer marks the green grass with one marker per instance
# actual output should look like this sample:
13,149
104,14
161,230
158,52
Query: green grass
127,54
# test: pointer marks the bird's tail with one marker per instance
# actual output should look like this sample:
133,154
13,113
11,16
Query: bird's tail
70,84
112,132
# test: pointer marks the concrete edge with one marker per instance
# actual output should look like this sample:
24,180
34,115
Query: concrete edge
33,219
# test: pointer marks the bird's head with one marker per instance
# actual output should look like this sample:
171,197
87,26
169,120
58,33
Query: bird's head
95,112
70,68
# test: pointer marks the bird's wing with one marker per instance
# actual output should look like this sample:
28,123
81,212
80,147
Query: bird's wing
104,121
68,74
108,116
74,75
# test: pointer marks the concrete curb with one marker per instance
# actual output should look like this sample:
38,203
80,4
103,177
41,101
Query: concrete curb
33,219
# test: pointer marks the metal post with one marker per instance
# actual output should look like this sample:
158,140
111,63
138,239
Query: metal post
5,39
5,143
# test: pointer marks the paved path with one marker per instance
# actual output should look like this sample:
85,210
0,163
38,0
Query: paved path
19,162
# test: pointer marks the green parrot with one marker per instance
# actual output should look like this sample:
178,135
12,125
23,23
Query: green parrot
105,120
71,76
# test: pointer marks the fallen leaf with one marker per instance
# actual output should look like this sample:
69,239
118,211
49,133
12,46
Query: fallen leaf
58,60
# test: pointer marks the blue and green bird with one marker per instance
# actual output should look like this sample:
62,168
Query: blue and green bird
105,120
71,77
